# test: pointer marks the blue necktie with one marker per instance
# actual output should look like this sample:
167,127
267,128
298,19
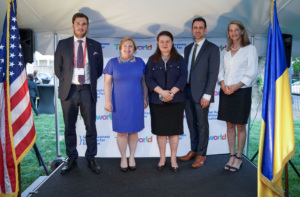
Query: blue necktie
81,78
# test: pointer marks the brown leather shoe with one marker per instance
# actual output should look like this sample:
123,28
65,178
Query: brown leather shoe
199,161
189,156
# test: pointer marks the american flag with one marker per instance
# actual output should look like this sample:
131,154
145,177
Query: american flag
17,132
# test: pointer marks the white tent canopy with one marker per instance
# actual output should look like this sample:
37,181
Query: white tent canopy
144,19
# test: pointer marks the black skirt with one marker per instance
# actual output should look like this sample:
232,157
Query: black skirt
167,119
235,108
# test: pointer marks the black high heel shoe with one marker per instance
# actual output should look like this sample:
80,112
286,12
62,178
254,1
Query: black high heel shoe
132,168
123,169
236,169
160,168
174,169
227,167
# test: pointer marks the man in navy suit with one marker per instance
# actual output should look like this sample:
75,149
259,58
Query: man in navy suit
33,92
203,60
78,65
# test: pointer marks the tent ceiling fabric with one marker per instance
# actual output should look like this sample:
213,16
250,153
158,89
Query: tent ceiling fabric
141,18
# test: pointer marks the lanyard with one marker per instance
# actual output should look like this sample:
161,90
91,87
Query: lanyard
84,54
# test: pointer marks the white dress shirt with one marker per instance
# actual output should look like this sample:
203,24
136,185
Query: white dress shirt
242,67
86,66
200,43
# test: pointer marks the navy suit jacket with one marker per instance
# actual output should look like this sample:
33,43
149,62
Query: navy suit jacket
205,72
64,65
176,77
32,88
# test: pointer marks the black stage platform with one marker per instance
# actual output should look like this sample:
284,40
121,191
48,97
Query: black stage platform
210,180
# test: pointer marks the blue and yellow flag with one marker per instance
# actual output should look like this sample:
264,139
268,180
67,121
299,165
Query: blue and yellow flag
277,139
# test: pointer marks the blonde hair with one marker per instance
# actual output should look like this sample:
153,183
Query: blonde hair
35,73
127,39
245,39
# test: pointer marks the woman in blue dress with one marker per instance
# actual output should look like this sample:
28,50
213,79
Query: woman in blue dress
126,97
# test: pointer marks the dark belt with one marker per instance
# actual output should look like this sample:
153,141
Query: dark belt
83,86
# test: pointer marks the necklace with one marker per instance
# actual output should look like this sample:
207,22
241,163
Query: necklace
235,49
123,61
166,58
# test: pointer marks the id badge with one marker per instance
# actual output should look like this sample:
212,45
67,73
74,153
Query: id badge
79,71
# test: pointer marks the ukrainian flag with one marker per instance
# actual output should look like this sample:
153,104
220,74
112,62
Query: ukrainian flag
277,139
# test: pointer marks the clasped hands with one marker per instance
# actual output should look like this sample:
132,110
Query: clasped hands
228,90
167,96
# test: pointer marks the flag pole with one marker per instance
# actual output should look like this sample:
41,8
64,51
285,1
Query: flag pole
19,177
286,180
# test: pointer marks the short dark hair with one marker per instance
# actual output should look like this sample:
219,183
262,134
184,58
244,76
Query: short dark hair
199,19
174,56
30,77
80,15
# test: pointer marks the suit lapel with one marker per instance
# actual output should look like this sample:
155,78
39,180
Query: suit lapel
89,49
200,53
70,51
188,51
90,53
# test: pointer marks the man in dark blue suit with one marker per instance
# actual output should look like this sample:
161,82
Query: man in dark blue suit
33,92
78,65
203,60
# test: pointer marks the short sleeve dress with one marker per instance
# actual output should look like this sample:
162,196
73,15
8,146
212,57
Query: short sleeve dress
127,94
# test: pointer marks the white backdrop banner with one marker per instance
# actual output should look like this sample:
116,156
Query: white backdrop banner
147,144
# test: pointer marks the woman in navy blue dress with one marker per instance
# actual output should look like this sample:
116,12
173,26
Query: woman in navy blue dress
166,76
126,97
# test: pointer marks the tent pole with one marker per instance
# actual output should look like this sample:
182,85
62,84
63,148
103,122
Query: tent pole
56,105
59,159
249,119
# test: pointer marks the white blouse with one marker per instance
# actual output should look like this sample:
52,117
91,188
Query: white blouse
242,66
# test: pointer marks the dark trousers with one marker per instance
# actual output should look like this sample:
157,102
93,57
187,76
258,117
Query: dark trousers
197,120
33,105
80,97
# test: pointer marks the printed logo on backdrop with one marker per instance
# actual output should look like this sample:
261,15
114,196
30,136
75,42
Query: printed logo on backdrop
104,44
139,47
103,117
145,139
221,47
216,93
146,115
100,139
99,117
182,136
212,115
217,137
179,45
100,92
